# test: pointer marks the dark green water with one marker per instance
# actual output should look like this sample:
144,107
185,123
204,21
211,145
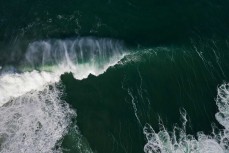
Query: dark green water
161,83
178,56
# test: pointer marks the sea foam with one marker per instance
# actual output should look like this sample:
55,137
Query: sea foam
34,122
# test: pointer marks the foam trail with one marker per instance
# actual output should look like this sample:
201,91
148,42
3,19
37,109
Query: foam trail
34,122
178,141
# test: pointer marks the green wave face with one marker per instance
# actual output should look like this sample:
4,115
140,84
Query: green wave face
158,99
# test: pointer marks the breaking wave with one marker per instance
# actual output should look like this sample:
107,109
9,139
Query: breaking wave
34,118
45,61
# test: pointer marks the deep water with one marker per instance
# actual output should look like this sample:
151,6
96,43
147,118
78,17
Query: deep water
123,76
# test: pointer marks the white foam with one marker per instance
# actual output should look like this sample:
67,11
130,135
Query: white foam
178,141
34,122
15,85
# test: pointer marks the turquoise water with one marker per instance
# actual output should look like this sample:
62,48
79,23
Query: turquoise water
114,76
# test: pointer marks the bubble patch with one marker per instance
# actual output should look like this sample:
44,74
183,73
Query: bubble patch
34,122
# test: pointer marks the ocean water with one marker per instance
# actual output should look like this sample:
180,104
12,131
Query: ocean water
122,76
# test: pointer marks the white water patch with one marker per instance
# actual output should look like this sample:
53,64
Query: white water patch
15,85
34,122
178,141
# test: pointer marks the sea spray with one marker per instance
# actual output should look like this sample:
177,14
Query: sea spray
73,54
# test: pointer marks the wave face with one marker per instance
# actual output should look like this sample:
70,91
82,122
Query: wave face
173,66
178,140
